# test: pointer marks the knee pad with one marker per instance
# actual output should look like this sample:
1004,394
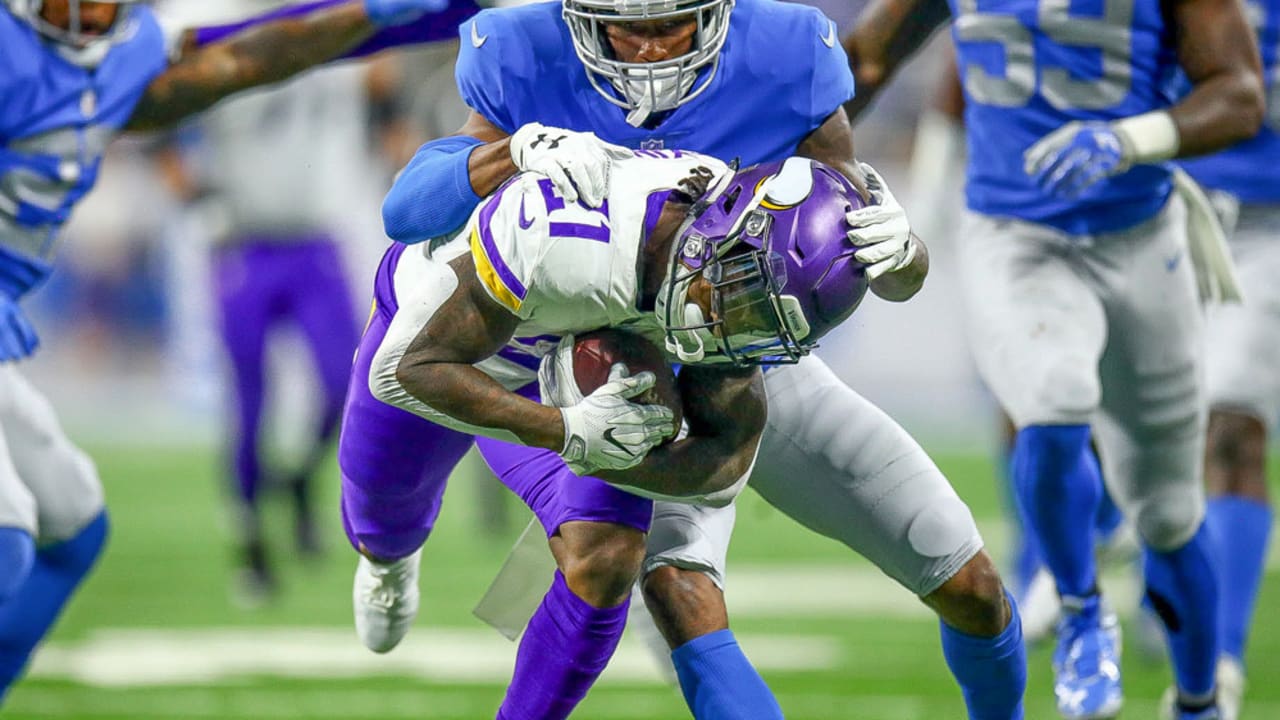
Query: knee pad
389,525
1067,390
945,536
1166,522
78,502
690,537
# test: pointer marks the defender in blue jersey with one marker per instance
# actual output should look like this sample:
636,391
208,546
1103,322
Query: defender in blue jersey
549,84
1080,291
1242,366
73,74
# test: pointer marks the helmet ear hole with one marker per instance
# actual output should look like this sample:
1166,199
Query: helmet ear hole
730,199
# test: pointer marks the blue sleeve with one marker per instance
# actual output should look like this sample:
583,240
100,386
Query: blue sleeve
481,78
432,196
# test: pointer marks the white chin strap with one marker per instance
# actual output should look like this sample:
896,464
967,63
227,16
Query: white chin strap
688,346
652,93
89,57
71,44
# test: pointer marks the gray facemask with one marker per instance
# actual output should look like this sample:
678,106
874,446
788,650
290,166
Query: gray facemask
644,89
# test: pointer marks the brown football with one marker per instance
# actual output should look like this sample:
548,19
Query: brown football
596,351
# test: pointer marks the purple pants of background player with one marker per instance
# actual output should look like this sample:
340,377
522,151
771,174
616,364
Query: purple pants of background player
261,284
395,464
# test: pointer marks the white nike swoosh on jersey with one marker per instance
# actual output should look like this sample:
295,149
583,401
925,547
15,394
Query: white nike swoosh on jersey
829,39
476,38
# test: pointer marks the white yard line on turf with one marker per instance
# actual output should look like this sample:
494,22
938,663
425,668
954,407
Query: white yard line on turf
147,657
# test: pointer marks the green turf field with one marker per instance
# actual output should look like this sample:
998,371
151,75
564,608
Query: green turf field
153,634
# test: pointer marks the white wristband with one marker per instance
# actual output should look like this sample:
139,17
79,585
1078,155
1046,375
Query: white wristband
1148,138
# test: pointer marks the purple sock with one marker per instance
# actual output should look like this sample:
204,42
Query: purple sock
564,649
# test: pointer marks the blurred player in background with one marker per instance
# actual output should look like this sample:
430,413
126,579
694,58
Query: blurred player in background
1242,358
689,75
278,166
74,73
1243,366
937,159
276,161
1083,309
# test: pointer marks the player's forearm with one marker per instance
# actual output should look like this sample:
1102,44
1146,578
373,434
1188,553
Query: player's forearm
1226,103
435,193
490,166
905,283
888,32
1218,113
726,412
463,398
702,469
268,53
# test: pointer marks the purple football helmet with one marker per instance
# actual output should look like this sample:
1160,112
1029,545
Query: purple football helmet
770,243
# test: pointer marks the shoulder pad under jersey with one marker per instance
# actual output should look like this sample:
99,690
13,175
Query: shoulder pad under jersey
502,51
507,234
812,76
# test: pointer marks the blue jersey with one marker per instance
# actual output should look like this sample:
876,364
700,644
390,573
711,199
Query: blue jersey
1251,170
56,119
1030,66
782,73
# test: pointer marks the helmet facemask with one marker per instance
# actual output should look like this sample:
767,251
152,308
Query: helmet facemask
74,43
645,89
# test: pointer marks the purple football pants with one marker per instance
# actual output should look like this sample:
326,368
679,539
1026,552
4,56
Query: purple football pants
395,464
262,283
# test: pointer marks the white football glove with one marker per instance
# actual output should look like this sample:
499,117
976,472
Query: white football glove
556,384
606,432
577,163
880,230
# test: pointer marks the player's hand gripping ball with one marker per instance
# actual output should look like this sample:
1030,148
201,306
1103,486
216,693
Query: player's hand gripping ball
597,351
617,396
